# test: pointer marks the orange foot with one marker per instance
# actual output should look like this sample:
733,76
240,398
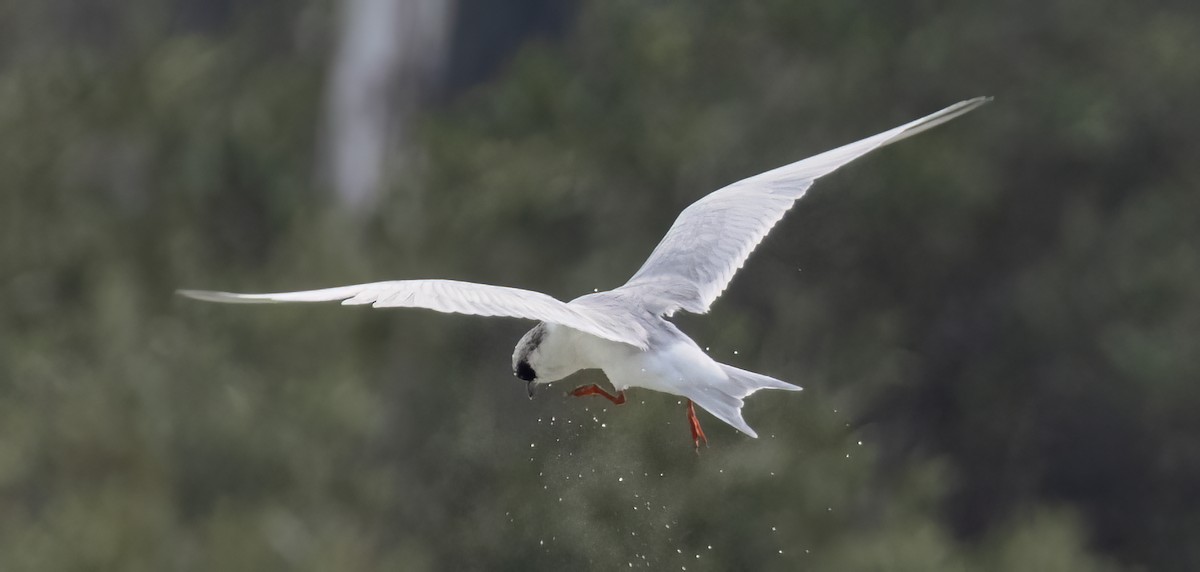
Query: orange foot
594,389
697,432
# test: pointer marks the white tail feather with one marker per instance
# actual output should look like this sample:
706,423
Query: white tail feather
723,398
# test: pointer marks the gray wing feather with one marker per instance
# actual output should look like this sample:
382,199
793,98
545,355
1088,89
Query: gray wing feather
714,236
452,296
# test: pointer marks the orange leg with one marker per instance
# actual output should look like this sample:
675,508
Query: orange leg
697,432
594,389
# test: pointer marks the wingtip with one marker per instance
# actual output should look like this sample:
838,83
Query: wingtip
208,295
194,294
965,106
981,100
937,118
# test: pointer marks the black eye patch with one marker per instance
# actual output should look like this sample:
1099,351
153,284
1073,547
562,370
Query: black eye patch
524,372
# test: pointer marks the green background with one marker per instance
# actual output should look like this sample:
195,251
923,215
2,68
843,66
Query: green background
997,323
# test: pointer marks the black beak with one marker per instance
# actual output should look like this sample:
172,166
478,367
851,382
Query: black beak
526,374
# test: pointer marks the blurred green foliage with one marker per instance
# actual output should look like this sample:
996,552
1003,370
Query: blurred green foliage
997,322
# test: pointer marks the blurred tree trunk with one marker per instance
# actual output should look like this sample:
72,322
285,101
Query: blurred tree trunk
390,53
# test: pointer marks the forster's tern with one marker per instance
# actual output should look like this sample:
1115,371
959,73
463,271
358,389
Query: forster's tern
624,331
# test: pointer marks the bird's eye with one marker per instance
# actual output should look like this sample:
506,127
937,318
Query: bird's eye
524,372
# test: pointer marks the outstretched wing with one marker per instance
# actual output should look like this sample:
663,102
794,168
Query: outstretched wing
451,296
712,238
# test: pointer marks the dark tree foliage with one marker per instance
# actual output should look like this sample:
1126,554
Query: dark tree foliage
997,323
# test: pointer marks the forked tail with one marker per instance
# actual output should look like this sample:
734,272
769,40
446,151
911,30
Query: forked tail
723,398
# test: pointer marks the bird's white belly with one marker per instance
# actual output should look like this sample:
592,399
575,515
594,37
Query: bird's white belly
668,369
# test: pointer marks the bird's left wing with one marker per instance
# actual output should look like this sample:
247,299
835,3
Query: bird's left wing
712,238
452,296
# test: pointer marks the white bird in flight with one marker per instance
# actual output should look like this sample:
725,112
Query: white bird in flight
625,332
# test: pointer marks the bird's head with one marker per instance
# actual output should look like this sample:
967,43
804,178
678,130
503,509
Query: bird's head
540,357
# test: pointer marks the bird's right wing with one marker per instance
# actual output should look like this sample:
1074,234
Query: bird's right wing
712,238
452,296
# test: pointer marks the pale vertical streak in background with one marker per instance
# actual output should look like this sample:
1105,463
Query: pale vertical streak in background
389,53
